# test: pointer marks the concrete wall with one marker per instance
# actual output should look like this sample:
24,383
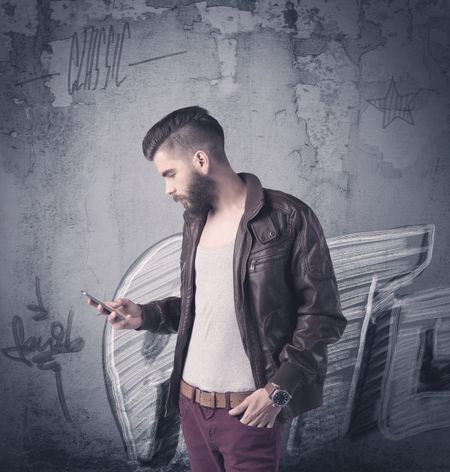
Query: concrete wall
344,104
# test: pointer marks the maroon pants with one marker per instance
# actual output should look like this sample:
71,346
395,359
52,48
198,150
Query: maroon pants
217,441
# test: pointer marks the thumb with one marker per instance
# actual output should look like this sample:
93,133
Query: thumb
119,302
240,408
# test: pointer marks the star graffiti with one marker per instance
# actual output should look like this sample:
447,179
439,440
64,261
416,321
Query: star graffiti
393,105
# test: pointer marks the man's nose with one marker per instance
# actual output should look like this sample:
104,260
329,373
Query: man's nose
169,189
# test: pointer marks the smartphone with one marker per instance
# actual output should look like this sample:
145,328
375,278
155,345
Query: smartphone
104,305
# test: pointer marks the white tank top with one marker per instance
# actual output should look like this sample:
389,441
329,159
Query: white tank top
216,360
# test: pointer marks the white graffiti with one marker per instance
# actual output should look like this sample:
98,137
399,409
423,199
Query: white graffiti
390,370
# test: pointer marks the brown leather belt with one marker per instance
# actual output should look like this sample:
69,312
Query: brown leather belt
212,399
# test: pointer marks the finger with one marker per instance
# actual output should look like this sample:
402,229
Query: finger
122,317
92,303
119,324
262,425
101,309
124,323
119,302
120,306
119,316
253,419
249,421
239,408
260,422
113,318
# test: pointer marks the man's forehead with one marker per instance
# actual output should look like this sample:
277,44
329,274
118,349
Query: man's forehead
163,160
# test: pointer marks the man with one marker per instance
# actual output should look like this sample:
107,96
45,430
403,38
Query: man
258,301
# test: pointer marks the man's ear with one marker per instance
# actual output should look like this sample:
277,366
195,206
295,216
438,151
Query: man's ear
201,161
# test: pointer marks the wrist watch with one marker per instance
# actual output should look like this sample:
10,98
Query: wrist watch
279,396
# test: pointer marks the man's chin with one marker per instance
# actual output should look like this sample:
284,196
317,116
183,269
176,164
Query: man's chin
189,208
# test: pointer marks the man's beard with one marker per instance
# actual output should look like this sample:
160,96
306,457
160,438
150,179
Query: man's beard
201,192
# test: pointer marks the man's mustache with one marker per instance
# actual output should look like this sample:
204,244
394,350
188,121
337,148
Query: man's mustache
178,199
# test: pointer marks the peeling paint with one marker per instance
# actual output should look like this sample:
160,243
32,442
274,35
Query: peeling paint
330,110
228,20
226,49
245,5
312,46
327,18
333,64
188,15
86,12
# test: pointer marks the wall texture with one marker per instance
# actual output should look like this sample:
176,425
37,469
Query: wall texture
343,103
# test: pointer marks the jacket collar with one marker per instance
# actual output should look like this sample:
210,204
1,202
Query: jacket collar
254,199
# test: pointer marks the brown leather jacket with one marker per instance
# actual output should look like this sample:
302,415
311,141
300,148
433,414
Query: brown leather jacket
285,292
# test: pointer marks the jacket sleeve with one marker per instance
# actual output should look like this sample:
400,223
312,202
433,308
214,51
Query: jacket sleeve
318,316
161,316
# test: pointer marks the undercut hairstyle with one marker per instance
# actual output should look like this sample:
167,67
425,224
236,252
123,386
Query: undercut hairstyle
189,129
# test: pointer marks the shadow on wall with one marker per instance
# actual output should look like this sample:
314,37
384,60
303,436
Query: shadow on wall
390,371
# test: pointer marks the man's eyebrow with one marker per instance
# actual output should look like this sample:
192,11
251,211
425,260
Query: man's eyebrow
167,172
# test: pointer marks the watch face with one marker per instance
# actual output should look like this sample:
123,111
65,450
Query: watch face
280,397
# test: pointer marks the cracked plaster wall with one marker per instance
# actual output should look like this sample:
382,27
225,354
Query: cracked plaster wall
342,103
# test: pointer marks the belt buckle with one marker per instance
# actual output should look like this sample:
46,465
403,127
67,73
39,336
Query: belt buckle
211,396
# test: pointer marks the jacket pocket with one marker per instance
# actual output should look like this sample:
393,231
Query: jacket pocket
273,252
257,261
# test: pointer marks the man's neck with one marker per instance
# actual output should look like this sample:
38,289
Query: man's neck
231,194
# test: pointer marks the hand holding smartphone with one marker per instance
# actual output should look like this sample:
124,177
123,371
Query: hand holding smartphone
108,308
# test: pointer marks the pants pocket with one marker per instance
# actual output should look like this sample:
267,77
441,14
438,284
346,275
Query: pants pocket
260,429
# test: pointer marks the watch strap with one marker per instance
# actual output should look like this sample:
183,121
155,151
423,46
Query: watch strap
270,388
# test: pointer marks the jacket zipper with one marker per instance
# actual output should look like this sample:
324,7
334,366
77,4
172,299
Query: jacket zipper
255,261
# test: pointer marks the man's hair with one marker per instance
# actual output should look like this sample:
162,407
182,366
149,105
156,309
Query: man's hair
190,128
